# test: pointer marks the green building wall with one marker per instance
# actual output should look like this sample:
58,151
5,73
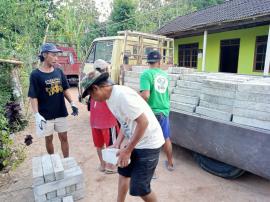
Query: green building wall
246,52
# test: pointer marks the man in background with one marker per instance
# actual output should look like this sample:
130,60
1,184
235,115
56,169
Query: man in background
154,88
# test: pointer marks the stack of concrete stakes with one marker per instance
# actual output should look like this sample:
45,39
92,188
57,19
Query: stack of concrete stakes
132,78
57,180
218,95
186,94
252,103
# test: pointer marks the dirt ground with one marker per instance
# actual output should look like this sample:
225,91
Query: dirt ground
187,183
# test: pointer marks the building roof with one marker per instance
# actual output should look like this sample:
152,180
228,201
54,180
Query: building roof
228,13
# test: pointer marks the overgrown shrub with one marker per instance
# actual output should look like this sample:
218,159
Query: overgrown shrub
11,120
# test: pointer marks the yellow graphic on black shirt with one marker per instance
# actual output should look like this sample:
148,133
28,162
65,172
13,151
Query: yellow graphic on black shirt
55,86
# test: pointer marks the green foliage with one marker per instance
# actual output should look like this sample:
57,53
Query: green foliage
201,4
122,17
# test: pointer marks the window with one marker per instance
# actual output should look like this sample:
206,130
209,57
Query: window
188,55
101,50
104,50
91,56
260,52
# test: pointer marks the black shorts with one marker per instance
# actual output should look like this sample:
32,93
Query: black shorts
140,170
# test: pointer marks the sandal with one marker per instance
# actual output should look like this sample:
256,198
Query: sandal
169,167
109,171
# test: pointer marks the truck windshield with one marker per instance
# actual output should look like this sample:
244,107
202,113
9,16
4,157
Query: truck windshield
101,50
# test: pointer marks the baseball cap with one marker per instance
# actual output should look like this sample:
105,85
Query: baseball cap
49,47
100,64
92,78
153,56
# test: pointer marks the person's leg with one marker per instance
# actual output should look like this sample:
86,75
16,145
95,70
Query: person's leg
144,168
123,185
64,144
151,197
60,126
167,147
49,129
107,140
49,144
99,144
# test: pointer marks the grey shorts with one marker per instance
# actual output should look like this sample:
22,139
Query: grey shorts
140,170
58,125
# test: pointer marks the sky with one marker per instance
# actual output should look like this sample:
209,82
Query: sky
103,7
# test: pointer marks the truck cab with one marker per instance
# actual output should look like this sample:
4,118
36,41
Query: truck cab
127,49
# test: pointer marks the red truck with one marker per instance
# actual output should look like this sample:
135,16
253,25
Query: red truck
69,63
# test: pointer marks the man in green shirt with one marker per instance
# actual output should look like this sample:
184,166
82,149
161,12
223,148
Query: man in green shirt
154,83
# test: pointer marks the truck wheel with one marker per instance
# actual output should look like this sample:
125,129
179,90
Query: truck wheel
217,168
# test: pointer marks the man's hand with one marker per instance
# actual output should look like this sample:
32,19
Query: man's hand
40,121
123,157
75,110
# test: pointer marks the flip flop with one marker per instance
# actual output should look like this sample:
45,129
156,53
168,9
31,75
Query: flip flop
109,171
168,167
154,177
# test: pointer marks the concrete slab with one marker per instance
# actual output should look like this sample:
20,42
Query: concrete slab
263,107
181,111
251,122
263,116
185,99
217,99
220,107
68,163
47,167
218,92
189,84
212,83
68,199
61,192
51,195
182,106
72,176
225,116
253,97
131,80
37,171
193,77
132,74
185,91
57,166
70,189
255,87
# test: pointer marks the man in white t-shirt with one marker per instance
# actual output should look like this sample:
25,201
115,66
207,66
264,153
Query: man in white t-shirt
139,125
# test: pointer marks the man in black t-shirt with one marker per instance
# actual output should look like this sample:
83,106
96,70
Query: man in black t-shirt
47,91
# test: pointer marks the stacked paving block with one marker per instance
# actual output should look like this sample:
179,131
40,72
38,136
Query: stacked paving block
217,99
132,78
252,103
218,95
186,94
54,179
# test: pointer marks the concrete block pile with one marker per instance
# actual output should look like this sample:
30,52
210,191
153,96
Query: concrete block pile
132,78
55,179
186,94
217,99
252,103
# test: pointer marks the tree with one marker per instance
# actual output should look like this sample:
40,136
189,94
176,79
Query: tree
122,17
76,23
201,4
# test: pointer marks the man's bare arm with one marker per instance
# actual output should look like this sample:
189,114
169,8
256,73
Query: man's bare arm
145,94
67,95
34,104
